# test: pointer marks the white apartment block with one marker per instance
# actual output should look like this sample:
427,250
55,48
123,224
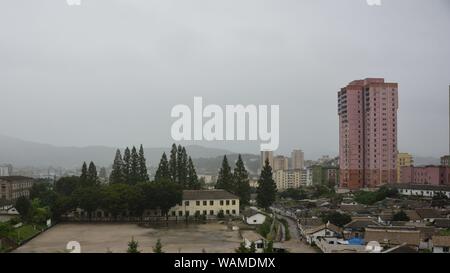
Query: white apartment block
287,179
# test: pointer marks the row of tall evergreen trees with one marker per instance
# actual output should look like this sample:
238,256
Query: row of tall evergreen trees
237,182
129,169
89,175
179,168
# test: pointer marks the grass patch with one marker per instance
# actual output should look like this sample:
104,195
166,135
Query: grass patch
264,229
445,232
287,234
24,232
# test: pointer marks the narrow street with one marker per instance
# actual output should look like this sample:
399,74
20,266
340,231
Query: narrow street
295,245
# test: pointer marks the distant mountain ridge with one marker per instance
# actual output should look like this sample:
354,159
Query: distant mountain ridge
21,153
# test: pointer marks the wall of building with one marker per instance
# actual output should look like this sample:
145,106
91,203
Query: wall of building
368,133
428,175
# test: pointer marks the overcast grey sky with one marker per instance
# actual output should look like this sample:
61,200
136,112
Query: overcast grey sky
109,71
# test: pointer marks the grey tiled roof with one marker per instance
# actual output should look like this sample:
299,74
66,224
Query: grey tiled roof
207,195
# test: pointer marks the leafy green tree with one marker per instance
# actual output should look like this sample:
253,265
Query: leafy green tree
336,218
163,169
241,182
133,246
168,194
92,176
241,249
295,194
370,198
61,205
158,247
116,198
117,174
135,201
127,165
67,185
39,188
84,174
264,229
192,178
40,213
267,188
269,247
5,229
400,216
23,206
143,173
88,198
225,178
173,165
252,248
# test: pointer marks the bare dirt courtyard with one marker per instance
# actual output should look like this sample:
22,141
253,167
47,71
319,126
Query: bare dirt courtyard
99,237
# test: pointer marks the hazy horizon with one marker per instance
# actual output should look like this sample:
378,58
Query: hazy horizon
108,72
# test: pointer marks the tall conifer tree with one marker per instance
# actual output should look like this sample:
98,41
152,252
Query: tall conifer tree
192,178
241,182
266,187
117,175
225,178
92,175
163,173
143,174
134,166
127,165
84,174
173,163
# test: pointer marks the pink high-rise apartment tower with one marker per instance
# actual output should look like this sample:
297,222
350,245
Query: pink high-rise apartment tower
367,133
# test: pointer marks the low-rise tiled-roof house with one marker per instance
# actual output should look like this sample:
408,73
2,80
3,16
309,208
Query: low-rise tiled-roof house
441,244
391,236
428,214
442,223
327,230
308,223
413,216
357,227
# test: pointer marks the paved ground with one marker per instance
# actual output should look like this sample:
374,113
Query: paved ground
295,245
211,237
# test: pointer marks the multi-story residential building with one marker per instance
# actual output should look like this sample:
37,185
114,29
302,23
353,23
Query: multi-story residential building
427,175
325,175
266,155
206,202
306,178
332,176
280,163
297,160
367,133
445,160
13,187
403,160
4,171
287,179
